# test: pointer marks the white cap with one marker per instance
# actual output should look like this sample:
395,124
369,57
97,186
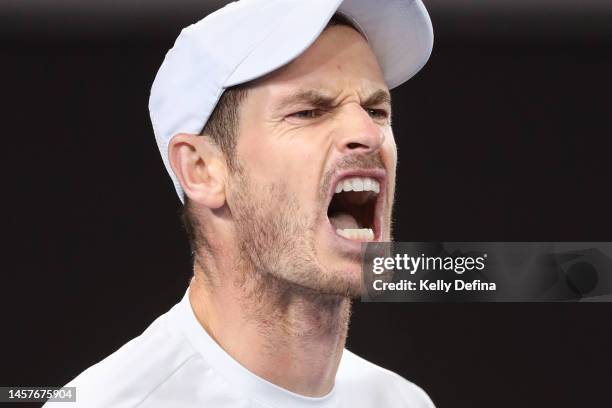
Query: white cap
250,38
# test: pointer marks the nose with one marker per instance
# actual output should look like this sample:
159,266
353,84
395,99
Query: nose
359,133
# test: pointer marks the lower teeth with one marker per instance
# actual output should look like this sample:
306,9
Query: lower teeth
361,234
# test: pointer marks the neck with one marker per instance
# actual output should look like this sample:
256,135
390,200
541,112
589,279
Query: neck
286,334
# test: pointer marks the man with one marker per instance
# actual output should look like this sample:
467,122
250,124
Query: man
275,125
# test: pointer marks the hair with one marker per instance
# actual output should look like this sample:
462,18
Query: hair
222,128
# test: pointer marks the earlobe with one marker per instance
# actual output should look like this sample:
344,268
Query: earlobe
198,165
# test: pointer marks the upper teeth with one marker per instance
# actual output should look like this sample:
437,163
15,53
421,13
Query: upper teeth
358,184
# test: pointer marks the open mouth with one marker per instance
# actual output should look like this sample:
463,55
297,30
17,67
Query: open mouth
354,208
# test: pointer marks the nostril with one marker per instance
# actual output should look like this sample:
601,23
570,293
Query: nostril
354,145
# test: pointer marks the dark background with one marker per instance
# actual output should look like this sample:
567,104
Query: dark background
503,136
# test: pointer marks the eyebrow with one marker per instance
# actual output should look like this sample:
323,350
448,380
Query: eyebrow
320,100
378,97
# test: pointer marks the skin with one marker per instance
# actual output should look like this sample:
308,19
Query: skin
273,285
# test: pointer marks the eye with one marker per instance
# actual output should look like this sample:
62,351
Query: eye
377,113
307,114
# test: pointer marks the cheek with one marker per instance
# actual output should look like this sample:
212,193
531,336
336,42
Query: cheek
287,161
261,158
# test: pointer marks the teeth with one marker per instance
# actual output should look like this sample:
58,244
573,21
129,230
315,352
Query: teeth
358,184
361,234
347,185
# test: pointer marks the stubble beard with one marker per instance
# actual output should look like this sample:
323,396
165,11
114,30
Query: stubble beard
277,258
276,243
278,265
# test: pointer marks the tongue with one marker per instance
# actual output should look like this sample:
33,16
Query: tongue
343,221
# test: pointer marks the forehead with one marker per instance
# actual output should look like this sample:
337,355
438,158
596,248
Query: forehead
340,59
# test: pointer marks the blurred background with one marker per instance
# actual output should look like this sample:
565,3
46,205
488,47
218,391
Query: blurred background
504,136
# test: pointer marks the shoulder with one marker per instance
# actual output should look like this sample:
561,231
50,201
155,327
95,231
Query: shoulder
366,381
133,372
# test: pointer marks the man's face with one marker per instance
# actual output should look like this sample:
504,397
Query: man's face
320,124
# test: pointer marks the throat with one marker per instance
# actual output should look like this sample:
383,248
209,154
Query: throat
282,336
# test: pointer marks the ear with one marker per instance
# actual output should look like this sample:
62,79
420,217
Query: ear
200,168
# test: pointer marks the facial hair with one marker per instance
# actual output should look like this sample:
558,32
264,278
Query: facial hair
277,257
276,237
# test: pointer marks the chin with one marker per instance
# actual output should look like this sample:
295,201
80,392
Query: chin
340,275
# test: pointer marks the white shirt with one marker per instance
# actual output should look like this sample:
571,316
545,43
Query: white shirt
174,363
